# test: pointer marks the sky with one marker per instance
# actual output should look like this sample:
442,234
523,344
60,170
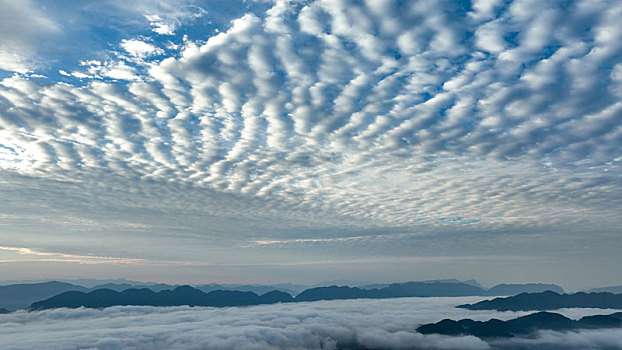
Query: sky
300,141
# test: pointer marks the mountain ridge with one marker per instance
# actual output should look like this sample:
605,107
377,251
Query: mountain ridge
182,295
548,300
520,326
19,296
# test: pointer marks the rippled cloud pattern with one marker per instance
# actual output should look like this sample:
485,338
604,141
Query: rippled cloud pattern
380,120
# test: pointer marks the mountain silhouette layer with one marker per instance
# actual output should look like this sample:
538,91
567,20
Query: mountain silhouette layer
610,289
549,301
543,320
396,290
183,295
17,296
186,295
22,295
514,289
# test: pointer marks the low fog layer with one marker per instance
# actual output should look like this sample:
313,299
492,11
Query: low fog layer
384,324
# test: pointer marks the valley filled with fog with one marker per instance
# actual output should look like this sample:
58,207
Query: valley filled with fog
345,324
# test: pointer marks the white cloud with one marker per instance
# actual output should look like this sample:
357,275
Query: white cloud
166,17
21,24
140,49
420,118
119,70
586,339
159,26
385,324
27,253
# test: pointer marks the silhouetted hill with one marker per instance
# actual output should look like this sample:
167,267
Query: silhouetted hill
384,285
473,283
431,289
186,295
602,321
542,320
549,301
22,295
519,326
500,289
156,287
18,296
183,295
255,288
514,289
396,290
117,287
334,292
341,282
31,293
611,289
276,296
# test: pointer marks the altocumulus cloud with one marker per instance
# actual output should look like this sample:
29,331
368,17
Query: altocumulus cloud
427,116
383,324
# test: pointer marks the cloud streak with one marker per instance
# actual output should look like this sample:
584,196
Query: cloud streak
63,257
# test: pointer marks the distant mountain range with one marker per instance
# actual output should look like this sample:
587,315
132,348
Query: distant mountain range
187,295
19,296
383,285
513,289
611,289
521,325
396,290
184,295
255,288
549,301
433,288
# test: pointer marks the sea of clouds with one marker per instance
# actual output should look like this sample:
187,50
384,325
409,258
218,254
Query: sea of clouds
378,324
